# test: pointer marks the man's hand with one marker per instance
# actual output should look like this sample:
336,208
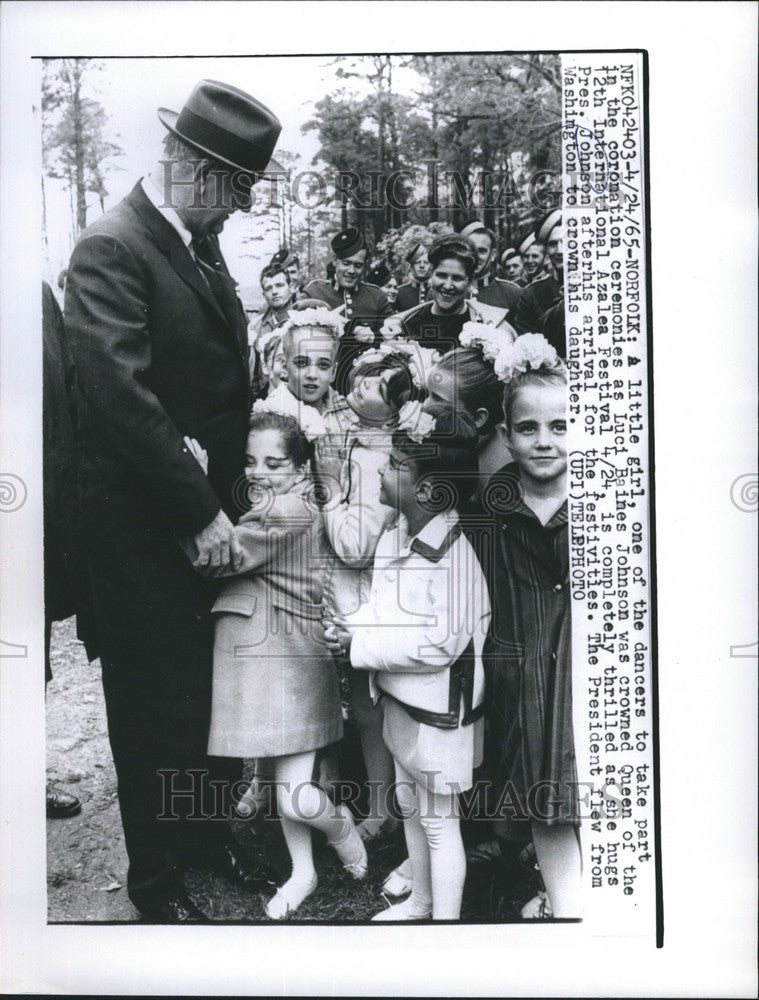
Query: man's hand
218,547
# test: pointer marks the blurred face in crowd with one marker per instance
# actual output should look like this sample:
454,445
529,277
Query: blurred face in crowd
484,249
449,284
533,259
273,363
555,249
293,274
537,432
276,290
309,364
391,290
420,265
513,268
349,271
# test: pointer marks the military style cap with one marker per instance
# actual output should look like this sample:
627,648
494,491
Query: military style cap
347,242
284,258
525,245
508,254
379,274
550,222
409,258
473,227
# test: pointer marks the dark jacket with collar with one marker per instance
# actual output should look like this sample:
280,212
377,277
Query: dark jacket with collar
156,358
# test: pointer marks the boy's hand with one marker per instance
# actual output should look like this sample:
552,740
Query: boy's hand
200,454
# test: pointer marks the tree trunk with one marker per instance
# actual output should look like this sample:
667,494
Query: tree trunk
81,197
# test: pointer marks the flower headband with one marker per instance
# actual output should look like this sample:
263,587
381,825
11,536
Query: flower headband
266,339
528,352
419,359
320,316
282,401
414,422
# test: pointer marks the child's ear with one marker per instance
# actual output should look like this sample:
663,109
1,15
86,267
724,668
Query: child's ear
480,417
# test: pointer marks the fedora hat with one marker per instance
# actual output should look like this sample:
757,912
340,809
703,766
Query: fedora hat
229,125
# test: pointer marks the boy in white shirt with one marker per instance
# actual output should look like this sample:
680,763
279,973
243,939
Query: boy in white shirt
421,633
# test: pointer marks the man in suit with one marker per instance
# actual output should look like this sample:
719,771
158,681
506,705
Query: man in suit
485,288
361,304
159,342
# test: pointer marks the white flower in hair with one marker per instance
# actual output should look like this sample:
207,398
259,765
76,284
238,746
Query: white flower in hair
528,353
414,422
267,337
282,401
484,336
320,316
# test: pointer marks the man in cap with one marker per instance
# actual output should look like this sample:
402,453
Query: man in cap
485,288
533,256
416,291
159,342
362,305
511,266
541,306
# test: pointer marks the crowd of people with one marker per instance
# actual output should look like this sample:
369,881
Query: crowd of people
348,510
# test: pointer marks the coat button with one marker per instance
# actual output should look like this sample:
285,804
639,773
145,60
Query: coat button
558,588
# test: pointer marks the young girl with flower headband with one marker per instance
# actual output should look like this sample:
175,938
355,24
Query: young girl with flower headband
420,635
348,460
528,654
275,691
310,341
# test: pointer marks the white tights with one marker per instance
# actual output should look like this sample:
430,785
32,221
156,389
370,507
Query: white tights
302,805
435,848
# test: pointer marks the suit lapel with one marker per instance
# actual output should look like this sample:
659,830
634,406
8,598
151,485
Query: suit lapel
179,256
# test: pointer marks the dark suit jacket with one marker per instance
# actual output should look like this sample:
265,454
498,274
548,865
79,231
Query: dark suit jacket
156,358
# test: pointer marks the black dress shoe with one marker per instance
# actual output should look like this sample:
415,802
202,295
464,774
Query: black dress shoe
180,910
229,863
60,804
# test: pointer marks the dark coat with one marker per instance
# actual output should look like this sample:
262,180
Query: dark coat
410,295
157,357
67,589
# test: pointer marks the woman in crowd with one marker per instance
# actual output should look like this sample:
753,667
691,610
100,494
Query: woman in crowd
437,324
